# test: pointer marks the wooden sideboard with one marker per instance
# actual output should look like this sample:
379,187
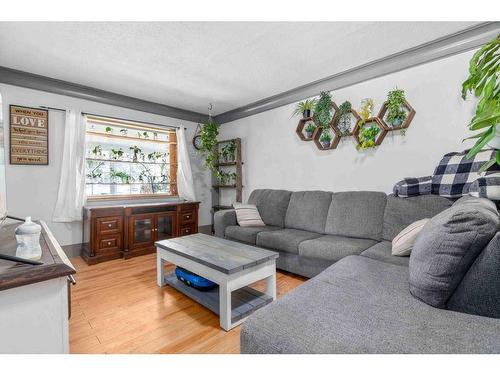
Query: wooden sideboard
124,231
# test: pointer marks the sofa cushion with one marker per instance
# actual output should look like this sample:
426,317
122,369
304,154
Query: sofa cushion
361,305
247,215
307,210
284,239
401,212
403,243
246,234
479,291
357,214
383,252
272,205
446,248
333,248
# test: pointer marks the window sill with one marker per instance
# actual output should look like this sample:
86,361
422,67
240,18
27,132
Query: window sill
98,198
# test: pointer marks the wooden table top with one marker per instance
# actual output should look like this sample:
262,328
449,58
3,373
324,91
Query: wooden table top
217,253
55,263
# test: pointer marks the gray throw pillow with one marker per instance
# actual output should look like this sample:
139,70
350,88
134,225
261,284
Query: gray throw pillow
447,246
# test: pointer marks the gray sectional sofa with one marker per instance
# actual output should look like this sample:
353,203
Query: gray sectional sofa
314,229
358,298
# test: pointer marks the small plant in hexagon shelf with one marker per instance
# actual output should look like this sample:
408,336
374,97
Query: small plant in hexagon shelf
309,129
367,136
323,109
396,113
344,122
326,138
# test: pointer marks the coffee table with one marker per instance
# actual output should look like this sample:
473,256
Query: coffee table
231,265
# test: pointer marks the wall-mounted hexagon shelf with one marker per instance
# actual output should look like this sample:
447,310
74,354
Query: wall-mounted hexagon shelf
352,127
334,133
300,129
324,146
345,125
410,113
372,121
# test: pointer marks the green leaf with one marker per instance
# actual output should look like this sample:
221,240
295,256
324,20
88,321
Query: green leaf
486,165
498,157
488,136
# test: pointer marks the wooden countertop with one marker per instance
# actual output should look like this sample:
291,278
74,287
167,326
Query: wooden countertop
55,263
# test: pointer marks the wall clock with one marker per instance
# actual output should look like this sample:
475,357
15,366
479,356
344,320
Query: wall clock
197,138
197,142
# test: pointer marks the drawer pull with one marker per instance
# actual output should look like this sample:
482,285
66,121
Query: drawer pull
109,243
110,225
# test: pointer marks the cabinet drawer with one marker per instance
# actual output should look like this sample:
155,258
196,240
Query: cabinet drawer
112,224
187,229
187,217
110,242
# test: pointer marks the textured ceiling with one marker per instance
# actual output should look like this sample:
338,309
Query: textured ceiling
189,64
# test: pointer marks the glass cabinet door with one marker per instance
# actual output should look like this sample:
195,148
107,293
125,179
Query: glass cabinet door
164,226
142,228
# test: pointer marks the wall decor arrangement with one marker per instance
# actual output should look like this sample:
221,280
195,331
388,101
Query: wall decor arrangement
29,136
326,124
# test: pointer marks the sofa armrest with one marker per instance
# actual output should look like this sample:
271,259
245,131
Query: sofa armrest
223,219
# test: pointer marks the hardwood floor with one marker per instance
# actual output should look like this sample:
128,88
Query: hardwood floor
118,308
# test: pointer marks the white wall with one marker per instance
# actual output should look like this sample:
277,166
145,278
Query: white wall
275,158
32,190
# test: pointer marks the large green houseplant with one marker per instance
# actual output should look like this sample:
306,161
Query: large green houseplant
484,70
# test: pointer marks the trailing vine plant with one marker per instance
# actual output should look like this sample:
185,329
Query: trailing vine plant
209,144
344,114
395,102
484,71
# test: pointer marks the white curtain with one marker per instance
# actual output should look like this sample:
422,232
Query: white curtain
185,183
71,195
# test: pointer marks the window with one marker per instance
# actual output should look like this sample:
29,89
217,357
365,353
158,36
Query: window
126,159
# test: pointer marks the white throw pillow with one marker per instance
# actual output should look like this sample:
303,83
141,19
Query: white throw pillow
403,243
247,215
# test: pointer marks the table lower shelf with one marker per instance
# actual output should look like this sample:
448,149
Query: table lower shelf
244,301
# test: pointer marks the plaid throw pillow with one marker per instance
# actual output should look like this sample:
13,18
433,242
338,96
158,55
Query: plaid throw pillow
413,186
487,186
454,174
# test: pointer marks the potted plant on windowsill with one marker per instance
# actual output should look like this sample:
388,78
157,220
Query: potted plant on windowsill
136,151
396,113
483,82
305,108
116,154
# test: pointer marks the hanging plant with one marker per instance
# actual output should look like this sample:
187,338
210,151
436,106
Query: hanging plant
209,142
323,109
484,69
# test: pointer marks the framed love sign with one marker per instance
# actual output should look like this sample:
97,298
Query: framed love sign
29,136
